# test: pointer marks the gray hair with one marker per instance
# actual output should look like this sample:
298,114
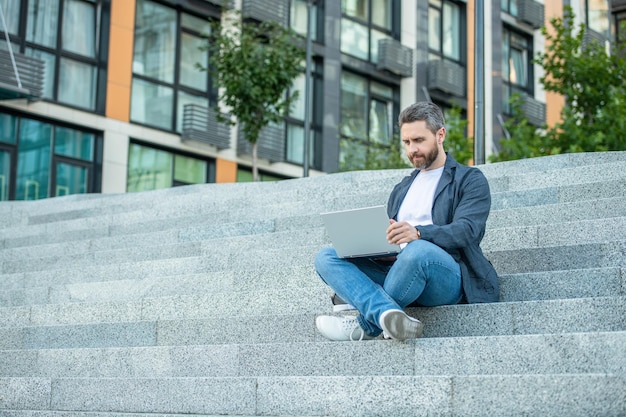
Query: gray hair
423,110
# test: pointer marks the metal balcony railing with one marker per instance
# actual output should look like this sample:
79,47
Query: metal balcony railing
201,124
270,145
593,36
395,57
29,80
534,110
266,11
446,76
531,12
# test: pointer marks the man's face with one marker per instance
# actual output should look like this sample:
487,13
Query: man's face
421,145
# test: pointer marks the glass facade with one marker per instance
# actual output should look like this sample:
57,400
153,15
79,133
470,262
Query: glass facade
47,160
516,65
66,35
296,116
367,111
165,77
444,30
151,168
363,24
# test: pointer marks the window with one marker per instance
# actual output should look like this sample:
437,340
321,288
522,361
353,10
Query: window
151,168
445,25
298,19
363,24
517,72
47,160
367,109
295,120
620,30
509,6
598,16
65,34
167,48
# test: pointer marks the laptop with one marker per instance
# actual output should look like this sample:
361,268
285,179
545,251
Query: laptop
359,232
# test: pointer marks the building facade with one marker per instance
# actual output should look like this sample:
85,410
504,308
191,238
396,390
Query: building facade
105,95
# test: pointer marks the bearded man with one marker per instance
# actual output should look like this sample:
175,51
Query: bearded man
437,215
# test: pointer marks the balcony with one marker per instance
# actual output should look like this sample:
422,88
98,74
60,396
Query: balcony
266,11
200,124
270,145
593,36
395,57
535,111
229,4
446,76
531,12
30,72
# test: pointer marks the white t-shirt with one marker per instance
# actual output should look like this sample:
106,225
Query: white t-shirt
417,206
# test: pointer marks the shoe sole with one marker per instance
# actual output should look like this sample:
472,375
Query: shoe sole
337,308
399,326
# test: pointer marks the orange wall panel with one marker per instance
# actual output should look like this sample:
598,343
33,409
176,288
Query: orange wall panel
554,102
119,72
225,171
470,66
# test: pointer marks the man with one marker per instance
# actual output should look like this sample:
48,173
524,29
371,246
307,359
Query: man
437,216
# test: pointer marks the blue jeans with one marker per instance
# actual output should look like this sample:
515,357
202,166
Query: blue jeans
423,273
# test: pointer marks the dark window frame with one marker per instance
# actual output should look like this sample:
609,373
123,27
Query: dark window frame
211,161
394,31
211,93
94,167
99,61
508,87
462,61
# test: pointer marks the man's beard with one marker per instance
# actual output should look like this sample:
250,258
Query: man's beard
428,159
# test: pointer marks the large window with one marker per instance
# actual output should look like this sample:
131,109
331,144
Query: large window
367,109
40,159
517,73
298,19
620,30
598,16
364,23
66,35
446,23
165,77
509,6
151,168
295,119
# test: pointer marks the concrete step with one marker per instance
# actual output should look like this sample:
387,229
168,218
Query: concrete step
522,354
227,315
503,239
192,200
580,283
502,395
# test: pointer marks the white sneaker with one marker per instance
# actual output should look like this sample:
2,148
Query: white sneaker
396,324
341,329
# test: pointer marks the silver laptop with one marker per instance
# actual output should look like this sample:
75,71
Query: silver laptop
359,232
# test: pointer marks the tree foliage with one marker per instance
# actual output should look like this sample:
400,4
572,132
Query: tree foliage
594,85
457,142
253,64
357,157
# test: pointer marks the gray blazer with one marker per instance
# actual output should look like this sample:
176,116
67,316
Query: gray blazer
460,210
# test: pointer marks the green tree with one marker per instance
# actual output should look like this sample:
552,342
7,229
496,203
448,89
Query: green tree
457,142
252,65
359,157
594,85
523,140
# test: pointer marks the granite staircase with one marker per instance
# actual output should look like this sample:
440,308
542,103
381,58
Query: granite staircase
200,300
